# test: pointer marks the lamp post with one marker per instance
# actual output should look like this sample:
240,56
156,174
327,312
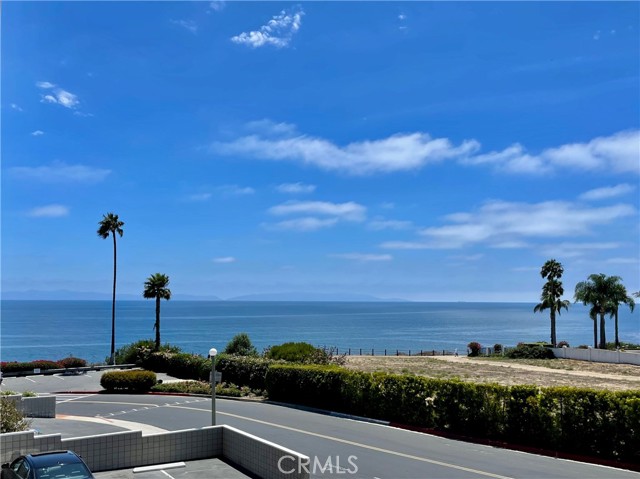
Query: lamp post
212,354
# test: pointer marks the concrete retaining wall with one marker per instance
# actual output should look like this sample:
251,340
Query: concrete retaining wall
131,449
42,406
597,355
264,458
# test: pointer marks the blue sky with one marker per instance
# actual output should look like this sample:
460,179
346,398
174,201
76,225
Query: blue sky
427,151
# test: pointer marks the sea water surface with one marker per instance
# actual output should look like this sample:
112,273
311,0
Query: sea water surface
56,329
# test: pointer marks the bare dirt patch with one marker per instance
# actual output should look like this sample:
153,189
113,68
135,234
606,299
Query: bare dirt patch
555,372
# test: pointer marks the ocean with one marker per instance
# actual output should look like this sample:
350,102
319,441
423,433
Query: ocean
56,329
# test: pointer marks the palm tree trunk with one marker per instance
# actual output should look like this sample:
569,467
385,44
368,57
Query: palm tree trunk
553,326
616,326
595,331
158,323
603,338
113,304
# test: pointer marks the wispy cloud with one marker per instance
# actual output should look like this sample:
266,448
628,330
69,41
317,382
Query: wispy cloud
401,152
189,25
278,31
497,222
307,223
37,133
362,257
378,224
217,5
16,107
224,260
617,153
60,172
57,95
315,215
235,190
608,191
295,188
199,197
349,211
574,249
49,211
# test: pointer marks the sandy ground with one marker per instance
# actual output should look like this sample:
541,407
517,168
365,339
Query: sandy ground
555,372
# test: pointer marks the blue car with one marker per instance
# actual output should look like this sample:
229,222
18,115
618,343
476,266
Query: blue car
47,465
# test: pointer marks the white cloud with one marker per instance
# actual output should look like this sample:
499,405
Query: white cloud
187,25
304,224
349,211
224,259
379,224
362,257
500,222
623,261
49,211
618,153
37,133
16,107
278,32
217,5
60,172
399,152
574,250
295,188
199,197
58,95
608,192
235,190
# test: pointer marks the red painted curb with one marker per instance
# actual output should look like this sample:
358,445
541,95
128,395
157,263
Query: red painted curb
632,466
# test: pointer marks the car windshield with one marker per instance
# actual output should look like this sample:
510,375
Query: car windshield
64,471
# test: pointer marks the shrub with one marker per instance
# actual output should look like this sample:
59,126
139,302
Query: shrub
294,352
241,345
244,371
72,362
530,351
130,381
583,346
187,387
562,344
474,348
14,366
579,421
497,349
139,352
11,418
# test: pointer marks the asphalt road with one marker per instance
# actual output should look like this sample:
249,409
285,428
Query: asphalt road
364,449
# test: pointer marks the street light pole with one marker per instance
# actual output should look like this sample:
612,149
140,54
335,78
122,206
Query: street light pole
212,354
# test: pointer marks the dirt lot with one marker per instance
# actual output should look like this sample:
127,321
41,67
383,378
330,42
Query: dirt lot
554,372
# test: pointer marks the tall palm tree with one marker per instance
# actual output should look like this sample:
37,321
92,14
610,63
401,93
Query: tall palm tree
156,287
110,225
619,296
552,292
597,292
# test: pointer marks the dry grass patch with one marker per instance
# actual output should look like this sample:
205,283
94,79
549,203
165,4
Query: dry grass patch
545,372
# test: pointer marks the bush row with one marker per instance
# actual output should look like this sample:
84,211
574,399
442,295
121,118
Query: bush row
129,381
43,364
581,421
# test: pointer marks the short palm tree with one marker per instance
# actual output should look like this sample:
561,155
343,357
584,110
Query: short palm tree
597,292
619,296
110,225
155,287
552,292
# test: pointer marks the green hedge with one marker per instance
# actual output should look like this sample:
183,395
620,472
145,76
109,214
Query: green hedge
581,421
14,366
128,381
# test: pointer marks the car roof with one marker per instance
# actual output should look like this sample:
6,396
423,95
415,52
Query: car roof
51,458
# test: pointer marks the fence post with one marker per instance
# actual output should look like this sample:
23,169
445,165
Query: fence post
360,351
349,351
385,352
409,352
372,354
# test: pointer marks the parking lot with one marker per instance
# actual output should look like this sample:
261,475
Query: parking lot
207,468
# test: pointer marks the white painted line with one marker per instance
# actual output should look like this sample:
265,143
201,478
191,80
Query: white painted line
29,379
59,377
159,467
357,444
